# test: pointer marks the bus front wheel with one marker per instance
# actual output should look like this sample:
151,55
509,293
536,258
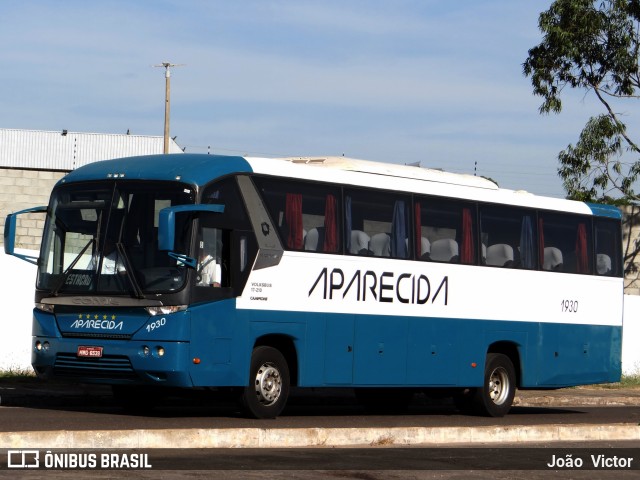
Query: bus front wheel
268,389
495,397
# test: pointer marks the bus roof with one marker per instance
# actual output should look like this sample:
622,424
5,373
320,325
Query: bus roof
395,170
199,169
195,169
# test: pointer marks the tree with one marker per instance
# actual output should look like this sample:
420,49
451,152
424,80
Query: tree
592,46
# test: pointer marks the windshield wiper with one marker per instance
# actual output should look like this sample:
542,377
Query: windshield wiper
128,268
65,274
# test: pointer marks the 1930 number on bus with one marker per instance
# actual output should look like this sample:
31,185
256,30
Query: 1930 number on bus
569,306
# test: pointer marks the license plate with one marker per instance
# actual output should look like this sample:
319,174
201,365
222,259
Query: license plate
91,352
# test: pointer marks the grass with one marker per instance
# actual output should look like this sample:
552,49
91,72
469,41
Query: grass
627,381
17,375
631,380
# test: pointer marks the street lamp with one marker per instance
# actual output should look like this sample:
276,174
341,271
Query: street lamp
167,99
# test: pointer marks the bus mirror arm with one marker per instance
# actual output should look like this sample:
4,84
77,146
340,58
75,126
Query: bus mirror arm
10,234
184,259
167,228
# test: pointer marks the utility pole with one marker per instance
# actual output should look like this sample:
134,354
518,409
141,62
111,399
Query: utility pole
167,99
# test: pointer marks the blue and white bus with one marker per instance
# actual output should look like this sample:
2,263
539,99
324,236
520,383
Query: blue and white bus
256,274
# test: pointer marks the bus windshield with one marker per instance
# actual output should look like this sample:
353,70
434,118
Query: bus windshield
102,238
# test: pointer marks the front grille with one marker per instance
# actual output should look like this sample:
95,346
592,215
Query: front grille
102,336
109,366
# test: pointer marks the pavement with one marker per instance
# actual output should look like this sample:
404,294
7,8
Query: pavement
263,434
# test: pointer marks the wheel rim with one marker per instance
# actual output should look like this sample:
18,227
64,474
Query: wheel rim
499,385
268,384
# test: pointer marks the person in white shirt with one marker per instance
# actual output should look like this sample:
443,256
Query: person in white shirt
209,272
111,263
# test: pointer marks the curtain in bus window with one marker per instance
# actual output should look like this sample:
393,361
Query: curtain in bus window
540,242
418,230
527,252
467,253
399,231
347,222
330,226
582,259
294,220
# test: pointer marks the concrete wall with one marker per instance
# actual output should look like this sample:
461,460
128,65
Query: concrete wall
20,189
631,249
630,335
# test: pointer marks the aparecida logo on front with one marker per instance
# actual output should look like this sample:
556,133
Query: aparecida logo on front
23,459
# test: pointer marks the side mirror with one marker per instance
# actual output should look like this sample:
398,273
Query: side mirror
10,233
167,228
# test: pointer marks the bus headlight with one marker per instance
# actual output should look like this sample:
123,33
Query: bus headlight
160,351
165,309
45,307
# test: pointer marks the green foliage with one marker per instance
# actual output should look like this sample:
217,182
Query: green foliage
626,382
593,167
592,46
17,373
630,381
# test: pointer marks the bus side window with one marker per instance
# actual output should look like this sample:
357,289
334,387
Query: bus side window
445,231
377,223
565,243
226,245
306,214
212,264
607,248
508,237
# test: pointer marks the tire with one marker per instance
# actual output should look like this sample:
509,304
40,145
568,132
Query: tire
495,397
268,389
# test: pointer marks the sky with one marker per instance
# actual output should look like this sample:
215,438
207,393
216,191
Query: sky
400,81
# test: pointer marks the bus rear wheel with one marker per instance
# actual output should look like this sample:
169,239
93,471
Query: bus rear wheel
495,397
267,393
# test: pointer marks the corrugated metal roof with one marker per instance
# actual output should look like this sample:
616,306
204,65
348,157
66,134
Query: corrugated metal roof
62,150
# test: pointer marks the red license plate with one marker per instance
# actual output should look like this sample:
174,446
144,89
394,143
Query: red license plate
91,352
